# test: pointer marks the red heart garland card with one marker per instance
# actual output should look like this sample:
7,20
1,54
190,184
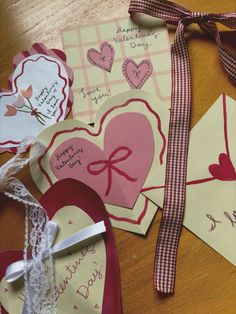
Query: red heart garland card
39,95
87,275
211,180
115,157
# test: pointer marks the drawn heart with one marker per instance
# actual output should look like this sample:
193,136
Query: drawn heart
39,95
103,59
137,75
118,168
87,276
223,171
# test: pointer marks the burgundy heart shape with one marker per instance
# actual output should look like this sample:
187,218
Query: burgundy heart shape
223,171
67,192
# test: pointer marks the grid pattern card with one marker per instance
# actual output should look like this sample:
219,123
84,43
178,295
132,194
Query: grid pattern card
115,56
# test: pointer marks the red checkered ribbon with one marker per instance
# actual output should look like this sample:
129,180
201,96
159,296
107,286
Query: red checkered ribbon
177,153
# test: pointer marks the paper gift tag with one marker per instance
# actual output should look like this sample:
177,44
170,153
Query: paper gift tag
39,95
211,180
116,55
115,157
87,275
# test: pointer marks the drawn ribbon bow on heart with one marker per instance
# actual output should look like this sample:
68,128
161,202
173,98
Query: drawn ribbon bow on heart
109,165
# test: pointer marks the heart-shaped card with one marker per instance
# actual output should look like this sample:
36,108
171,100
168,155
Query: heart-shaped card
115,157
87,275
211,179
39,95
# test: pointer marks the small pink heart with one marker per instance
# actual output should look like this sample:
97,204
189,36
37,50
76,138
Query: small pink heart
103,59
223,171
137,75
11,110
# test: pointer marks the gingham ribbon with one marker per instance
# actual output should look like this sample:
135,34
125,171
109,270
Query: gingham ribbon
177,152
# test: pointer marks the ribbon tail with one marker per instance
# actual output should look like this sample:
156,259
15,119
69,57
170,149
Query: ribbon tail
79,236
29,294
175,182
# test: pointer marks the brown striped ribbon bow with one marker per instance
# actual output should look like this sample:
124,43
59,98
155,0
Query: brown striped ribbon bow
177,151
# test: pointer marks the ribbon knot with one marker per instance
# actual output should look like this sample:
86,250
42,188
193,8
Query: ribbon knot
197,17
119,154
17,269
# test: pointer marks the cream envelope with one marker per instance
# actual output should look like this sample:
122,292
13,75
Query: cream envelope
115,157
113,56
211,182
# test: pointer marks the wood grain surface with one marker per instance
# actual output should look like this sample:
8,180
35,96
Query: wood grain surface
206,282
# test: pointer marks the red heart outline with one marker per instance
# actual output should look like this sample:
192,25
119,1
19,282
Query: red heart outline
67,192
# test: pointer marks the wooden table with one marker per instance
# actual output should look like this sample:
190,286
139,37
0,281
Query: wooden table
206,282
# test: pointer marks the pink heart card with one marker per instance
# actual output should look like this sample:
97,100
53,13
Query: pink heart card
115,157
211,179
113,56
39,94
87,276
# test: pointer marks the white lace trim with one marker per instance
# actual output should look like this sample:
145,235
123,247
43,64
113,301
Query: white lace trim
39,281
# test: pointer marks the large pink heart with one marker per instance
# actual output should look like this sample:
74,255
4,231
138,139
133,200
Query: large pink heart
137,74
39,95
103,59
118,168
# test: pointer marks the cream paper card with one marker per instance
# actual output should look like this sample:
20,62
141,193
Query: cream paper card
115,157
116,55
211,181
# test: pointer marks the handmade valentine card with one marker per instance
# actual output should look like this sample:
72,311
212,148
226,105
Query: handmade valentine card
39,95
86,275
211,180
116,55
115,157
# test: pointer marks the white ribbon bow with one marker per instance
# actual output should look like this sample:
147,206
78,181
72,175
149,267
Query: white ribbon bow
17,269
